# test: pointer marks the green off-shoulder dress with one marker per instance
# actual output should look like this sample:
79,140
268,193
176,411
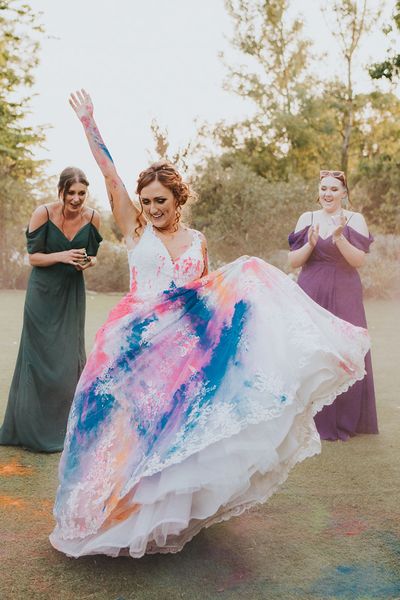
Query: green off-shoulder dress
52,349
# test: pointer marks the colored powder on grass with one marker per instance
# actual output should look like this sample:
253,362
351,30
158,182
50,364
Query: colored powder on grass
14,468
12,502
355,581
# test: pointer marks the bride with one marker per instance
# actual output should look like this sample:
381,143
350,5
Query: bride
199,395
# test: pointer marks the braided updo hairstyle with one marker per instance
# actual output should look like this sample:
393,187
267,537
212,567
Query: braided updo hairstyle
168,175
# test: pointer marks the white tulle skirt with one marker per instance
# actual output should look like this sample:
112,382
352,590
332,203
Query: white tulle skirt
157,450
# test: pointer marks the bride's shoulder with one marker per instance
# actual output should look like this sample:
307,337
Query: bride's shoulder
196,232
198,235
132,240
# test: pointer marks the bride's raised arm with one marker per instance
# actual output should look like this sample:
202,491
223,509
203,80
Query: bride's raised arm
126,215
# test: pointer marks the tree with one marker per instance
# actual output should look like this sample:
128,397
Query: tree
276,79
352,19
277,50
19,171
300,123
161,147
376,182
241,213
389,68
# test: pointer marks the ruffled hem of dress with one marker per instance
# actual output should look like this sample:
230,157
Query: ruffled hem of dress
227,513
301,431
302,453
316,406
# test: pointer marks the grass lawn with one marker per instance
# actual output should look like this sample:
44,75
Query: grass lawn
332,532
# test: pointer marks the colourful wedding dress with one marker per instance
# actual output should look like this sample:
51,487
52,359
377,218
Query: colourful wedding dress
196,401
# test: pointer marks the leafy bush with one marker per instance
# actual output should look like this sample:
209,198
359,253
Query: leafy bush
111,274
381,273
241,213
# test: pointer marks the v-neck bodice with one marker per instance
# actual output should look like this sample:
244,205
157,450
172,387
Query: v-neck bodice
77,234
48,238
326,252
327,276
152,269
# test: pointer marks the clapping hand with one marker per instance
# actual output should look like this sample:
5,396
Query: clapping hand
313,235
339,229
82,104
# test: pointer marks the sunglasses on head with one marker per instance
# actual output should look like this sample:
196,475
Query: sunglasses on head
336,174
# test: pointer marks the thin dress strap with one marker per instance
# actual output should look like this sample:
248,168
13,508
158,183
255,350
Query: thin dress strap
92,216
312,216
348,220
47,210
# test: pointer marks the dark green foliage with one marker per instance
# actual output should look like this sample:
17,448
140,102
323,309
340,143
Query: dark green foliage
390,67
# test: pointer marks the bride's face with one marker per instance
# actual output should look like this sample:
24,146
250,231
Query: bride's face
159,205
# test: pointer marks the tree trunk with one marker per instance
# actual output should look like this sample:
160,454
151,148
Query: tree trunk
348,118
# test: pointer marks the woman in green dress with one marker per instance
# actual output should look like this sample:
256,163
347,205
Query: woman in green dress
63,240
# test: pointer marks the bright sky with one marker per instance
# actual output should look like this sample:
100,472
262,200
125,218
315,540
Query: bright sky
149,59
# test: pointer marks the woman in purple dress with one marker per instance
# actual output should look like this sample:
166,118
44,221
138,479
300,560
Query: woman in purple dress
330,244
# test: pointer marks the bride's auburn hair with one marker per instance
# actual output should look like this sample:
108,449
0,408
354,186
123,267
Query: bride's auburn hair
168,175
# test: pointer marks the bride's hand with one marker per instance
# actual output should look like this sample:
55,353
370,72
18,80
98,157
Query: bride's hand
82,104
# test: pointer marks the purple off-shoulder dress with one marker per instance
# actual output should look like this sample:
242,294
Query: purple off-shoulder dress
329,280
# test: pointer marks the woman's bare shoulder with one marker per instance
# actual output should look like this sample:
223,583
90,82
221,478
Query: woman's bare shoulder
39,216
357,221
304,220
92,215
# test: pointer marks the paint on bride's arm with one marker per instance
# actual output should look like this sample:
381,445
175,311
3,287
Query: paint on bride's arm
105,150
96,136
